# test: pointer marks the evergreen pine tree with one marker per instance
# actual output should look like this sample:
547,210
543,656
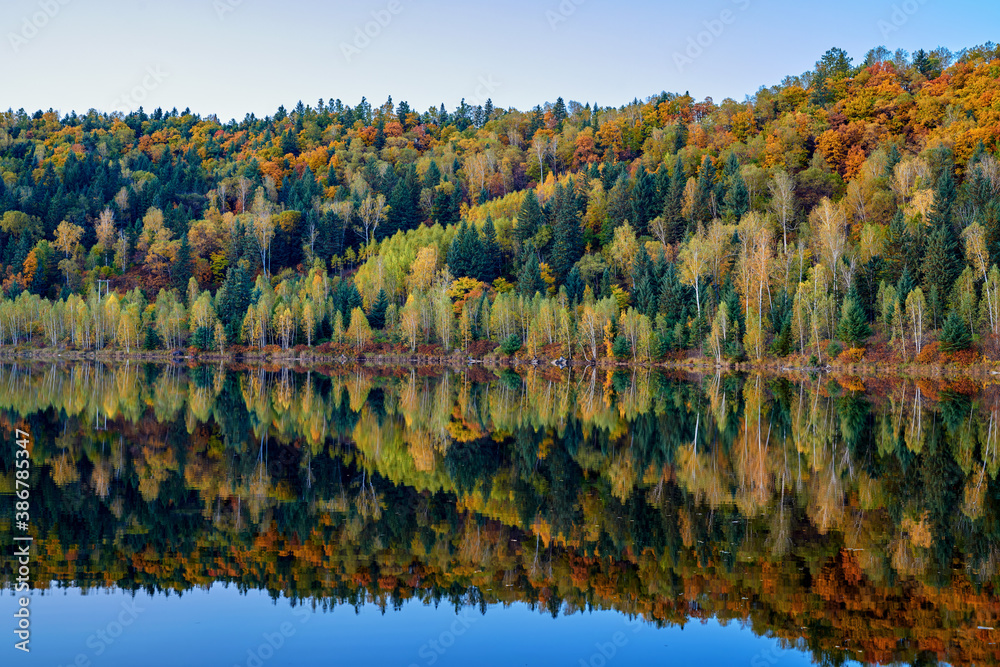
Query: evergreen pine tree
643,201
867,285
235,301
942,260
490,259
619,202
529,220
574,285
955,335
733,348
942,256
559,113
455,205
404,203
530,279
905,285
892,159
644,283
605,289
702,209
440,208
944,199
674,200
897,241
853,327
180,272
24,243
737,196
433,176
661,181
680,136
566,235
376,315
464,251
289,143
672,302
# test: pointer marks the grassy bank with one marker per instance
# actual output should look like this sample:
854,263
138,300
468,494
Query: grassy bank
931,363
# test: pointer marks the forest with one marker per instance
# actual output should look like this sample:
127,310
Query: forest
850,213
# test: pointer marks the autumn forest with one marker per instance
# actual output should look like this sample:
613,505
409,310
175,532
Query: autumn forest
849,214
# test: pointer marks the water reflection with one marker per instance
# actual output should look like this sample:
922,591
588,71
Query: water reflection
856,520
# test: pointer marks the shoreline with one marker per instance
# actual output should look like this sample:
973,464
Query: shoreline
981,370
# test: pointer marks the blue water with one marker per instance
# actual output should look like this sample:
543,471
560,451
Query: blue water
222,628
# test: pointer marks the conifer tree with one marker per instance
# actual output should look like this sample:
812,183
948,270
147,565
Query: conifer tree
853,327
455,205
559,113
674,199
897,240
404,211
376,315
574,285
567,236
955,336
180,272
464,252
529,219
433,176
235,300
530,279
942,257
702,209
737,198
488,266
643,201
941,264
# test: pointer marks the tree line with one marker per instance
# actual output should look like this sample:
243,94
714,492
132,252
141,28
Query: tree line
842,208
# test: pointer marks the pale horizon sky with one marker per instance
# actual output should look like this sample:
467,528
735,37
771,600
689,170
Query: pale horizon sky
233,57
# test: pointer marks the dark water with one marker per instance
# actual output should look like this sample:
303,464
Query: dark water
403,517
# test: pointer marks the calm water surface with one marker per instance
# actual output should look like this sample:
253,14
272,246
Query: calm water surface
410,517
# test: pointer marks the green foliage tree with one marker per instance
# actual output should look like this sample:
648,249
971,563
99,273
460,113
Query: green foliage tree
530,279
955,335
180,270
376,314
566,246
489,261
853,327
510,345
529,219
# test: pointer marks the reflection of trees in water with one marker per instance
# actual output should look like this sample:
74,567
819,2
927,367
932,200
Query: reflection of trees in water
617,486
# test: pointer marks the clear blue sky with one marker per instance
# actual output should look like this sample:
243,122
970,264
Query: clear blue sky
231,57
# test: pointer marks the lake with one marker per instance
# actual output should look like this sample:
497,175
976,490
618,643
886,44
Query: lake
425,516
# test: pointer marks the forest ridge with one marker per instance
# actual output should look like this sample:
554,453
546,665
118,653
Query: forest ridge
855,206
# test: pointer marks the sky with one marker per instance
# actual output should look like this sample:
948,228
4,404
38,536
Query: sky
233,57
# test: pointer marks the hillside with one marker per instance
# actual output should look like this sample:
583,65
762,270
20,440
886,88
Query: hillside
855,206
